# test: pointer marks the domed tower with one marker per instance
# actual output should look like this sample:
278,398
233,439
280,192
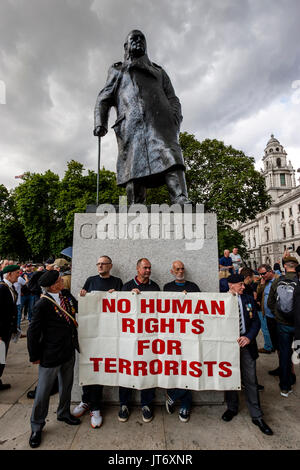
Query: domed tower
279,176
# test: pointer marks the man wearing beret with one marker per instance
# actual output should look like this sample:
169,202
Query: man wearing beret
36,290
52,340
249,328
8,310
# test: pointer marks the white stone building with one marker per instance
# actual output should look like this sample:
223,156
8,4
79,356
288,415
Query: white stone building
277,228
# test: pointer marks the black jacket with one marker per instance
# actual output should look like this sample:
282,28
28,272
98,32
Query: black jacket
252,323
50,337
8,313
33,284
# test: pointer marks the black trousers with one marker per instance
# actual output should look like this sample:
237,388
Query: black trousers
272,327
92,395
176,184
2,366
147,396
47,377
248,376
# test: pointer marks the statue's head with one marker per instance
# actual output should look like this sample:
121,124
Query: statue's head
135,44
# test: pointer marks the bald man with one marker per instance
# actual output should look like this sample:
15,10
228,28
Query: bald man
180,284
139,284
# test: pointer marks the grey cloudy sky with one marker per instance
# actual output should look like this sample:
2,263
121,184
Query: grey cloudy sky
234,64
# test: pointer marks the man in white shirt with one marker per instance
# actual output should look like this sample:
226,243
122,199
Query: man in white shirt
236,260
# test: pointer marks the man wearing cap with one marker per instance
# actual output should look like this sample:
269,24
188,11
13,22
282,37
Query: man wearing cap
52,340
36,291
285,327
8,310
249,328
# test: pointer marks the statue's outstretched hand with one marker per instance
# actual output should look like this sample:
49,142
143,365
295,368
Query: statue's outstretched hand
100,131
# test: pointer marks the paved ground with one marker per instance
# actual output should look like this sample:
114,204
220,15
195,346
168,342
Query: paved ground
205,430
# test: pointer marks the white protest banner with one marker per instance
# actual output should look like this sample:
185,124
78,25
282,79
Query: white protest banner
159,339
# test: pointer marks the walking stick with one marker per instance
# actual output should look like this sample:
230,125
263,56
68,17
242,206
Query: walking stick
99,155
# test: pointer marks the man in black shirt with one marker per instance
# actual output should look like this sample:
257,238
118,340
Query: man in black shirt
139,284
180,284
92,394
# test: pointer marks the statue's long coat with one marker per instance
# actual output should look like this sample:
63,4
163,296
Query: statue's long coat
148,120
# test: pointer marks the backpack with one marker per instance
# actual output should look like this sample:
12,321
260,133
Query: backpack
285,297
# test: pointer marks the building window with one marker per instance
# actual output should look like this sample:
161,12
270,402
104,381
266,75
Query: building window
267,235
278,162
282,214
283,232
282,179
292,230
267,220
291,211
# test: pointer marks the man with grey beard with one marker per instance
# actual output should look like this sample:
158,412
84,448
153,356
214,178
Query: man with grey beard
180,284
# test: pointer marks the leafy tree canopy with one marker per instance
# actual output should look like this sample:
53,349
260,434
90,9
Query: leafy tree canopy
37,217
45,205
223,179
12,239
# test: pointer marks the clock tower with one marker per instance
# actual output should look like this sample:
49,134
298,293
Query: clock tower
279,176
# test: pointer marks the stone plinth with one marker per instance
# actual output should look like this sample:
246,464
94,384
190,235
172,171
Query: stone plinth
162,238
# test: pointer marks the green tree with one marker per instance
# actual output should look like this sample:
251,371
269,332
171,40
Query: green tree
78,190
13,243
228,238
158,195
45,205
225,181
36,205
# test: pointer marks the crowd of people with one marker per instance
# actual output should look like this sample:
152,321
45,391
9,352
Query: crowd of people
268,299
275,293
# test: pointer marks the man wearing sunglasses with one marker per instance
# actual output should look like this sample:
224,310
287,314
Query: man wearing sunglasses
268,321
92,394
285,323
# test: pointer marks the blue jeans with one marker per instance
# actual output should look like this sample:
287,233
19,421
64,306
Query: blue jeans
185,397
264,328
19,318
285,339
29,301
147,396
92,394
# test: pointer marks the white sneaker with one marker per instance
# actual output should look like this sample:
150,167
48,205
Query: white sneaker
285,393
80,409
96,419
